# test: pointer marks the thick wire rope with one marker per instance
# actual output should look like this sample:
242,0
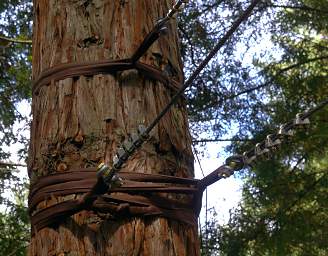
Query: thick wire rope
203,64
264,148
109,174
272,140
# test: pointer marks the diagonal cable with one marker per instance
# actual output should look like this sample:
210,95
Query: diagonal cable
109,174
202,65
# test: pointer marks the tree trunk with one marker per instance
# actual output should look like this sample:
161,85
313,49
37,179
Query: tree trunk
81,122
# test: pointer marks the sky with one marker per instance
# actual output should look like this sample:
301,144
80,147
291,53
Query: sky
223,195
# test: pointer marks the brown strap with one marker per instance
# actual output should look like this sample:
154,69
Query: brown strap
84,186
126,197
71,70
82,181
90,173
126,208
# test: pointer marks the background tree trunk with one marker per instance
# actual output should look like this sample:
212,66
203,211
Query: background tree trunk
80,122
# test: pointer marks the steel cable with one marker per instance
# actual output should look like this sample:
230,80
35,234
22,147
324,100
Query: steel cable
130,146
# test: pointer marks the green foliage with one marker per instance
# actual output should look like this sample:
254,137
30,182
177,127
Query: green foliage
14,221
284,206
15,86
284,215
15,65
246,92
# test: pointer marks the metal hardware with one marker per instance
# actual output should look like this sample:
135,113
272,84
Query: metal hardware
109,176
128,145
138,139
235,162
122,153
116,181
135,139
103,170
142,132
271,142
116,160
259,151
283,132
249,160
300,122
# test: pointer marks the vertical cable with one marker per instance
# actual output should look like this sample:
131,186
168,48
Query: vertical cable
206,201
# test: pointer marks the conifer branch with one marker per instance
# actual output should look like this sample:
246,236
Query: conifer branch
6,41
278,74
300,7
4,164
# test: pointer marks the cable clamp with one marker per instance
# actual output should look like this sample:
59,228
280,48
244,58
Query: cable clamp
300,122
271,142
283,132
128,145
249,160
259,151
142,132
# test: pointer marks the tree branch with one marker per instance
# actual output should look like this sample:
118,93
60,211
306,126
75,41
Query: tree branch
3,164
18,248
271,80
190,44
14,40
300,7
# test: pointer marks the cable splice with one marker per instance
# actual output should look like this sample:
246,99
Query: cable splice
145,133
284,133
263,149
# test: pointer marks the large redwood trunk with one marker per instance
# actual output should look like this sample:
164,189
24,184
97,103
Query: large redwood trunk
80,122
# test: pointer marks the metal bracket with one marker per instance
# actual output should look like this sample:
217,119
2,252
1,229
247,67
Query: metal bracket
109,176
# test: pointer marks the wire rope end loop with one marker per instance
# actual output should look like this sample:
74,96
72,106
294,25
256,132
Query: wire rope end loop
236,162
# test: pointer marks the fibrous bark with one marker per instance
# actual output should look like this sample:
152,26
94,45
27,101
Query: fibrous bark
79,122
